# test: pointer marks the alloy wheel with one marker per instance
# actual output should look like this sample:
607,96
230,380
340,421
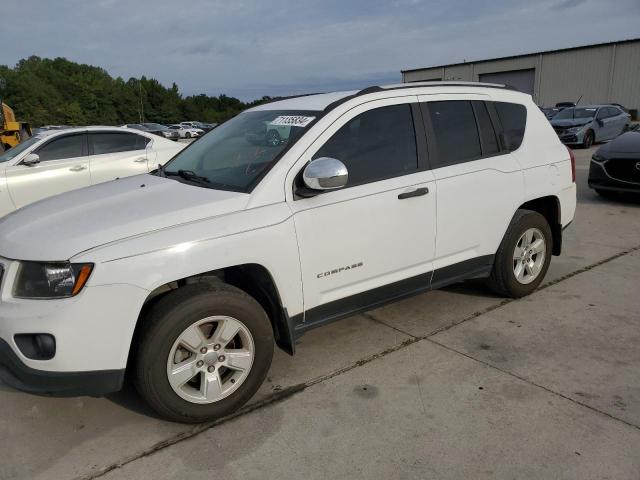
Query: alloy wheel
210,359
529,256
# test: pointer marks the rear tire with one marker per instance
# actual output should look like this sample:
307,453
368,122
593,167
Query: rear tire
170,320
521,263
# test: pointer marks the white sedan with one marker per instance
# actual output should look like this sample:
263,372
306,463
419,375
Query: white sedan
57,161
186,131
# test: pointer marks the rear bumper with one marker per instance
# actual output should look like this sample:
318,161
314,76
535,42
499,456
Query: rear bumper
21,377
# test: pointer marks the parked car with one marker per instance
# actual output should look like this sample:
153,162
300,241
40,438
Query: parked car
188,276
186,132
161,130
550,112
154,129
207,127
588,124
56,161
615,167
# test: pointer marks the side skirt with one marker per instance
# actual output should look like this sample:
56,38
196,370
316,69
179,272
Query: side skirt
479,267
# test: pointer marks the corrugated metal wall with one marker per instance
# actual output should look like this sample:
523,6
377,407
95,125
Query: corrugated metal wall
601,74
569,75
625,81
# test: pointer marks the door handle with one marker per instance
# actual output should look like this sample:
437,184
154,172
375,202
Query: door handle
141,160
78,168
418,192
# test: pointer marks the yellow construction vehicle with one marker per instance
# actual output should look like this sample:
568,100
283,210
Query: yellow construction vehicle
11,131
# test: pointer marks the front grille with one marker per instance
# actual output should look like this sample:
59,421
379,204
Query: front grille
625,169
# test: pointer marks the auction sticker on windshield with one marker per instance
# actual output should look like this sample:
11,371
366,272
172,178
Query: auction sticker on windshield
292,120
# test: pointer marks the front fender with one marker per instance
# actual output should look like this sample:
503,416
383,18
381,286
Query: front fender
264,236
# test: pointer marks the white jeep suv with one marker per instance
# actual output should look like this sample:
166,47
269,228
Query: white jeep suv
188,276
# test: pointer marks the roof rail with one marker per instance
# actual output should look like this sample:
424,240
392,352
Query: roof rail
375,89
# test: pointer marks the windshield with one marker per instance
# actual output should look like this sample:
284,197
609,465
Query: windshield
569,113
239,152
18,149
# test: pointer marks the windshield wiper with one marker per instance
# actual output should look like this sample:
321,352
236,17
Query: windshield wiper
189,175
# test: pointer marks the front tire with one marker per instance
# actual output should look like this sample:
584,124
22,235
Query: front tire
203,352
588,139
523,257
187,135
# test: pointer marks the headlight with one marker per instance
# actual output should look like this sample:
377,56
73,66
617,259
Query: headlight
598,158
51,280
574,129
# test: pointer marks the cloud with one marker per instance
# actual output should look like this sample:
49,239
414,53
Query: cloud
251,48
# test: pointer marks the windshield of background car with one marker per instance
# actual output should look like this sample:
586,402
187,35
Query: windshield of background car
238,153
569,113
18,149
154,126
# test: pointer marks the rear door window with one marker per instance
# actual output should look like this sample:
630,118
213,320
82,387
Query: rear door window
375,145
513,117
612,112
116,142
67,146
455,130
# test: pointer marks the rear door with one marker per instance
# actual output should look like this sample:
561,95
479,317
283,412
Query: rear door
479,182
64,166
116,154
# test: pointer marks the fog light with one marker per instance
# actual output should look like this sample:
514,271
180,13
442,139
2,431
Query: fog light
36,346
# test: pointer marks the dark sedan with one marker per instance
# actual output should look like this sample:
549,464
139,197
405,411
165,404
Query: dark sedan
615,167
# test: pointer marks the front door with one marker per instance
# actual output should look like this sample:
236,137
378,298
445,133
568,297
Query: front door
374,239
63,166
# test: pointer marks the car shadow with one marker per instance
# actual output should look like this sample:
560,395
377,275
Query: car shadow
130,399
475,288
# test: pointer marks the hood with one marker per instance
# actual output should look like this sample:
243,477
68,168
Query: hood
627,143
570,122
60,227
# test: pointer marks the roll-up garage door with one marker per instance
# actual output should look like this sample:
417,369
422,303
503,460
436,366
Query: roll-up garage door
522,80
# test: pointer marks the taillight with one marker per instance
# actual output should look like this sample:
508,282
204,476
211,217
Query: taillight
573,165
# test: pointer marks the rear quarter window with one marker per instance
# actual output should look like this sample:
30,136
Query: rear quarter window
513,117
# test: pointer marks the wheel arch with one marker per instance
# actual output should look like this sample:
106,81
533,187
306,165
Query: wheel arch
252,278
549,208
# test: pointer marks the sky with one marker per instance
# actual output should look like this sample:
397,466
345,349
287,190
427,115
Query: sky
251,48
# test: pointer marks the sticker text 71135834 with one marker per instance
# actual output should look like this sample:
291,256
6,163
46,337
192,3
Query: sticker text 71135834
292,120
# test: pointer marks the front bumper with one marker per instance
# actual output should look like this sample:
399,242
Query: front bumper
64,384
571,138
92,331
599,179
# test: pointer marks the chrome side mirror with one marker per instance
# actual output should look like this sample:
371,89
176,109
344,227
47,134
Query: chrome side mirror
325,174
31,160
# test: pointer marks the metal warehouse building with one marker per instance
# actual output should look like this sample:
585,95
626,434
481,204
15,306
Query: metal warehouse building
601,73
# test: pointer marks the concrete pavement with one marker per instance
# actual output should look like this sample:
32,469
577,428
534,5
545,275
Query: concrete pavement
450,384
